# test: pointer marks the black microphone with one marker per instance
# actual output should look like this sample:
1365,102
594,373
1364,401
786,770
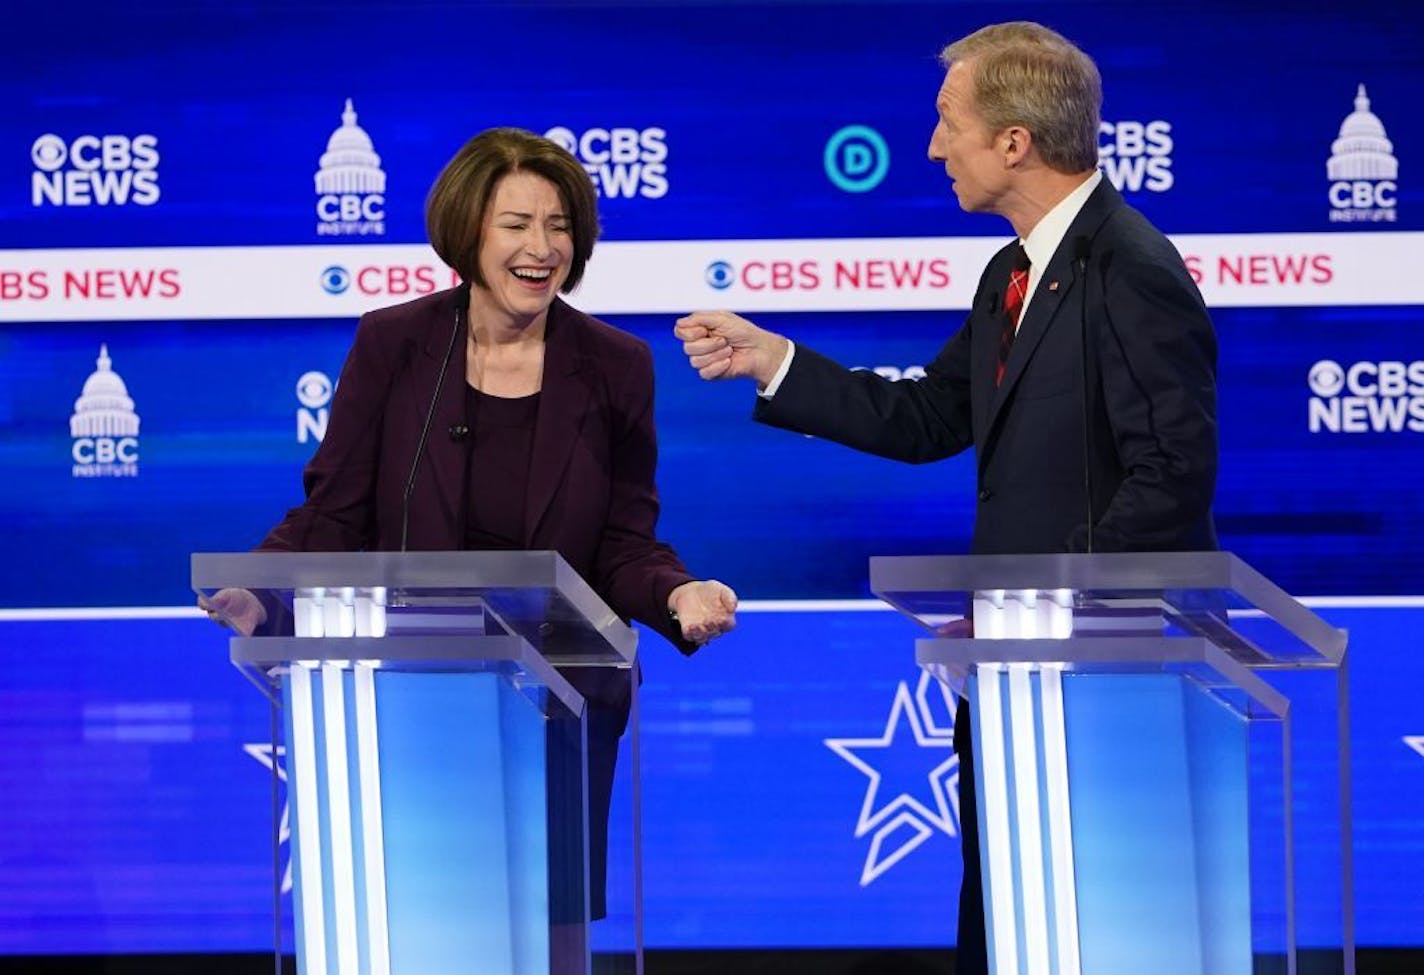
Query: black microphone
1082,249
459,432
462,297
993,302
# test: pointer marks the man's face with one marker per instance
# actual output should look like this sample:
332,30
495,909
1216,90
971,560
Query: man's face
965,145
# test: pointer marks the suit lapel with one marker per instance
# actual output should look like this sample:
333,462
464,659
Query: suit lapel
563,404
1059,279
985,345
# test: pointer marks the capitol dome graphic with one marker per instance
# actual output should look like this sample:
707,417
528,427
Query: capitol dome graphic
350,163
1362,151
104,409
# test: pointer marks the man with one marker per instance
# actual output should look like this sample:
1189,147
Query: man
1084,376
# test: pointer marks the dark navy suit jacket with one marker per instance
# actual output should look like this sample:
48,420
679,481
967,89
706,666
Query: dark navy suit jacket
1151,399
1151,448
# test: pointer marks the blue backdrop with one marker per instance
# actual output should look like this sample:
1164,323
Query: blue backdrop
135,820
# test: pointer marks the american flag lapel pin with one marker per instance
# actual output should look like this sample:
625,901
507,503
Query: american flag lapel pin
1053,286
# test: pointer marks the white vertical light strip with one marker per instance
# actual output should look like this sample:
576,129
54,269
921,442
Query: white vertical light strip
1023,621
989,614
1028,625
1030,832
307,614
1060,821
996,842
361,607
372,824
339,611
338,798
302,754
1060,602
378,611
370,611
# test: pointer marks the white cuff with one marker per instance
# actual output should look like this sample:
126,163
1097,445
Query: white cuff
781,372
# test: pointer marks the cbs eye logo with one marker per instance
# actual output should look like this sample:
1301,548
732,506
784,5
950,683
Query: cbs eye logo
335,279
720,275
49,153
314,390
1327,378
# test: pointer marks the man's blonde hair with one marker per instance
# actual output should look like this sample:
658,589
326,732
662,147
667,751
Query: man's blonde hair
1025,74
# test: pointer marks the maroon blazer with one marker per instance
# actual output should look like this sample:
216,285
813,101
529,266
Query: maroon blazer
592,496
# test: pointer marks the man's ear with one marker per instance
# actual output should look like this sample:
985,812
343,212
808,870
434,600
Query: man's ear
1015,142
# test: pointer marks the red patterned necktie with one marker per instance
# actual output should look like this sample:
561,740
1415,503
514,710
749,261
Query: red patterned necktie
1014,296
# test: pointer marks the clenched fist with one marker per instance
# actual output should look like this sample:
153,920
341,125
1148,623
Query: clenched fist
721,345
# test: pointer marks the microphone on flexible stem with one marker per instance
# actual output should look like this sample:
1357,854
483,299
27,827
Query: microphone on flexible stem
1082,247
462,297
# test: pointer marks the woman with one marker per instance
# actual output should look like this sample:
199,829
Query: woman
548,443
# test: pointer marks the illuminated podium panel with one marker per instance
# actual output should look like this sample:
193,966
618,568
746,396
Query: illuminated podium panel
436,761
1136,720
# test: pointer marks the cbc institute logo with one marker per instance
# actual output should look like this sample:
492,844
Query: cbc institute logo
104,426
350,184
907,799
1362,168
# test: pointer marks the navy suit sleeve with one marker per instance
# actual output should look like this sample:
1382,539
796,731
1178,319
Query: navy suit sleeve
915,421
1157,353
633,570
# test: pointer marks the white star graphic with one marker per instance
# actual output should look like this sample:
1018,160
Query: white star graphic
1415,742
262,751
905,810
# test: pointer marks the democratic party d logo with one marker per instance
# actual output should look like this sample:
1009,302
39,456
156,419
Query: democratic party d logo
857,159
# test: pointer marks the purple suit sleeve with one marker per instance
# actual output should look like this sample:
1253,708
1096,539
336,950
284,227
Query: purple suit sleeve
340,480
633,569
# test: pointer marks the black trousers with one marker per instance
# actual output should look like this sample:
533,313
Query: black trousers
971,955
566,828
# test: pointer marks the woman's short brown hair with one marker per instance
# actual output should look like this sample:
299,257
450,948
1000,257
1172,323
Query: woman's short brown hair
455,209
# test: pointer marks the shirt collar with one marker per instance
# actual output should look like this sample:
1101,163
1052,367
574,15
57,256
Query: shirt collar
1043,240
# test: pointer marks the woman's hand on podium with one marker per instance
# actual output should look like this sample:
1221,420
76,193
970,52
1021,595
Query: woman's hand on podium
704,610
957,629
237,609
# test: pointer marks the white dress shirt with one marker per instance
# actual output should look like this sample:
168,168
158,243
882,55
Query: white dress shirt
1040,244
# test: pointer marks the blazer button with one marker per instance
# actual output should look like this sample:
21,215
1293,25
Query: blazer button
985,494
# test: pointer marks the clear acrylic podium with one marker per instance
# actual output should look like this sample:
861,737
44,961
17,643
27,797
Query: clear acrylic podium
436,761
1138,724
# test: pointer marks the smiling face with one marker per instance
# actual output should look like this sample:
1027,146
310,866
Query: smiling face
525,250
964,143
